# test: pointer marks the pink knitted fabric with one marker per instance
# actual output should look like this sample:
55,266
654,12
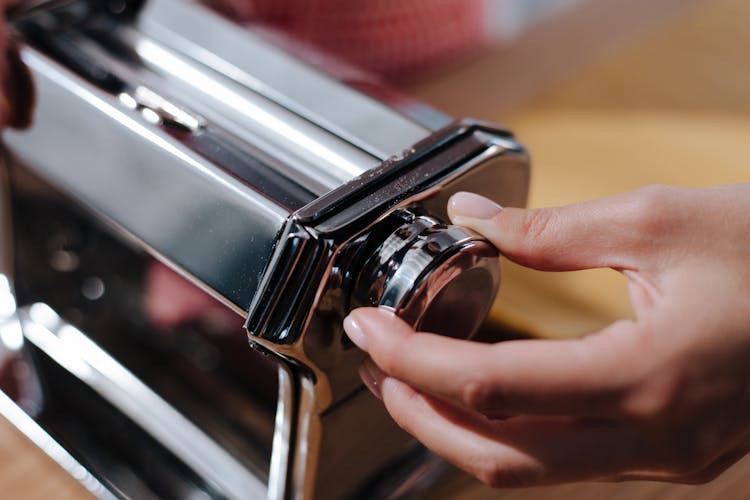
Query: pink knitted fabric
390,37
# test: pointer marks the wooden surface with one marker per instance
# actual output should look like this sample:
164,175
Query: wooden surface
27,473
669,105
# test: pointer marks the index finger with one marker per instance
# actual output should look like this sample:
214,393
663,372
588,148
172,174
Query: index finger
607,232
587,377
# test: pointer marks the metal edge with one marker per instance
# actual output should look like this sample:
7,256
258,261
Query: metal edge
286,412
47,444
72,350
393,166
162,18
309,222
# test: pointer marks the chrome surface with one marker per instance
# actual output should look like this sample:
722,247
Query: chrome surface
145,380
160,111
328,245
267,70
322,160
282,436
143,179
281,192
440,278
37,435
75,352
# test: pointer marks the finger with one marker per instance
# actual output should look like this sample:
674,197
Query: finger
518,452
609,232
588,377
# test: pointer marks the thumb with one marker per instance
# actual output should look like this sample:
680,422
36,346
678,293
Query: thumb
580,236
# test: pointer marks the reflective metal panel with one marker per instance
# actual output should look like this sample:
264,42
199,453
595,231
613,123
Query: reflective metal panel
135,365
183,173
248,58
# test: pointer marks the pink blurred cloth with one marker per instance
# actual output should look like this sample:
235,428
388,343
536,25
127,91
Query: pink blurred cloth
170,301
393,38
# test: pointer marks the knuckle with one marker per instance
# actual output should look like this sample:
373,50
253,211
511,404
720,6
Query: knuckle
537,224
650,209
477,395
657,397
650,404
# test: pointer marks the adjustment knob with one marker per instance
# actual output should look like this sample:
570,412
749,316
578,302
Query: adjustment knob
439,278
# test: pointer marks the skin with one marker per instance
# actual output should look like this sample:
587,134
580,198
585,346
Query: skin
665,396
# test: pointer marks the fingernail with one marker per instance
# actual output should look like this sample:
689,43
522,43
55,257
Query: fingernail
355,332
473,206
372,376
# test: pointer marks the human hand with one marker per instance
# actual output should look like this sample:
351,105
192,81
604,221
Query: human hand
665,396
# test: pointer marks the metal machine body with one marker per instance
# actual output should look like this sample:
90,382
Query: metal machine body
207,164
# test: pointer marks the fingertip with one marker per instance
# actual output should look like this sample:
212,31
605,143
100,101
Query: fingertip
355,332
481,215
377,318
464,206
364,322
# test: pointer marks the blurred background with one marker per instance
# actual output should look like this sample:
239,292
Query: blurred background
607,95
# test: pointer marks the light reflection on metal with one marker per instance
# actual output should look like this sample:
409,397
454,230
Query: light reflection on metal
11,335
24,423
307,240
246,57
168,111
7,299
173,64
285,410
40,336
73,350
52,71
